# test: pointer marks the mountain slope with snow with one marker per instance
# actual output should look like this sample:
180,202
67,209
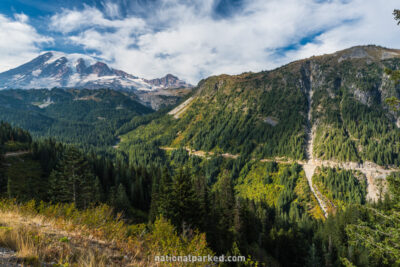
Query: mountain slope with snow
55,69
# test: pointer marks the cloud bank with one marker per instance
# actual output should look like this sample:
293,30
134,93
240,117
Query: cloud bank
211,37
19,42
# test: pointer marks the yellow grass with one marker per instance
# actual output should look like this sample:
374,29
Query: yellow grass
35,241
65,236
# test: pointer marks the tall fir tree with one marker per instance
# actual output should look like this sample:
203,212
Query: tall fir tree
73,180
179,202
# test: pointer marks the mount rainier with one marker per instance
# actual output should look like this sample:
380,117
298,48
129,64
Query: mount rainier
55,69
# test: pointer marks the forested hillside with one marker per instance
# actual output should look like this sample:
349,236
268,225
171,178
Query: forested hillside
87,118
354,122
264,114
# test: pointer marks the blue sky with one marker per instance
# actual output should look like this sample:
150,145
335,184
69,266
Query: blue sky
192,38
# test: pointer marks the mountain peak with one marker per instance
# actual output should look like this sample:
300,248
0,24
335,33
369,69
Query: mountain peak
169,81
47,54
57,69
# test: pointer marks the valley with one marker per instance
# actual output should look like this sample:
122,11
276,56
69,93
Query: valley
81,117
210,133
275,164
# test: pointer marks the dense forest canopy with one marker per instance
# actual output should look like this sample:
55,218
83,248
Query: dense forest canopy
87,118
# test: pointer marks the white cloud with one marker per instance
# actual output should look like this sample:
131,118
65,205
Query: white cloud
111,9
186,40
19,42
73,20
375,26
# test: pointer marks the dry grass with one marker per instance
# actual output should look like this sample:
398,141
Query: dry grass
56,240
34,245
19,240
61,235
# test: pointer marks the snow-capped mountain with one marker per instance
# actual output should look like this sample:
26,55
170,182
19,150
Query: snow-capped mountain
55,69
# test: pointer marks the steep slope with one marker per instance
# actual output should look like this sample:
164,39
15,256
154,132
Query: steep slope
328,111
266,114
233,114
55,69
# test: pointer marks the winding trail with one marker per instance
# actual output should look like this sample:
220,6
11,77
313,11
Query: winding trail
200,153
375,175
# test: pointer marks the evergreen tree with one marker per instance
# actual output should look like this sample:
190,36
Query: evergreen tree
73,180
179,202
155,196
162,195
202,193
223,213
379,232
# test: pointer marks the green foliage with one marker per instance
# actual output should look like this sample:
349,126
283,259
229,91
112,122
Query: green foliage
396,14
393,102
25,180
243,205
379,231
223,119
283,187
332,239
164,240
86,118
394,75
12,146
341,186
178,201
313,259
10,135
73,181
260,185
333,143
64,239
356,132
